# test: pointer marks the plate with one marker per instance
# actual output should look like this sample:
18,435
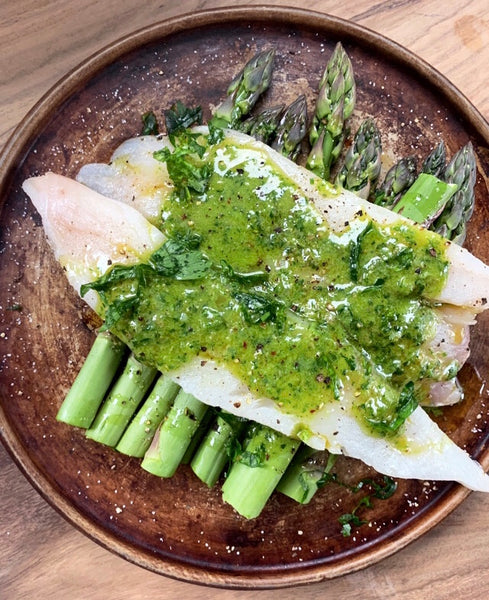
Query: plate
178,527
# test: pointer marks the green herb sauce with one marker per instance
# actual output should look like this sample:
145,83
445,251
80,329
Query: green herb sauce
254,279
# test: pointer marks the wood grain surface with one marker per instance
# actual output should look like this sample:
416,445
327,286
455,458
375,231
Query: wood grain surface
41,555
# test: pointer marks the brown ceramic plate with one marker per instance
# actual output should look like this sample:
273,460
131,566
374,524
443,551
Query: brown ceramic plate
178,527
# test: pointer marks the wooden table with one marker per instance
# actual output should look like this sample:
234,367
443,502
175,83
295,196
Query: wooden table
41,555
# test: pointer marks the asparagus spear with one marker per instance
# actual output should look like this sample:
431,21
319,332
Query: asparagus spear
245,89
292,128
137,437
334,105
256,473
362,163
434,163
262,126
92,382
396,181
174,435
212,455
461,170
306,474
198,436
121,403
425,198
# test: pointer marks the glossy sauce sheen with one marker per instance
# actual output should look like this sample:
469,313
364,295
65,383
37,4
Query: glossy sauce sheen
293,309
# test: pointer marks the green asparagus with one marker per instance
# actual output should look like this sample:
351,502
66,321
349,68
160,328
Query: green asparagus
257,470
396,181
262,126
434,163
334,105
168,426
306,474
461,171
426,197
140,432
198,436
174,435
245,89
362,162
291,129
121,403
92,382
212,455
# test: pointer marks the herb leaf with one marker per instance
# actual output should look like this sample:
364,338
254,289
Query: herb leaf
390,417
254,458
252,278
258,308
181,259
150,124
185,174
180,117
355,251
129,279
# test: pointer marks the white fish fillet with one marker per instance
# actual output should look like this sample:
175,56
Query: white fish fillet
89,232
425,452
133,176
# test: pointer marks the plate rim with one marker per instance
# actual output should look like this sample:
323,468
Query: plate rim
18,146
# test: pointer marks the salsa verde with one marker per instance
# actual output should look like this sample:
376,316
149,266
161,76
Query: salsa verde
252,277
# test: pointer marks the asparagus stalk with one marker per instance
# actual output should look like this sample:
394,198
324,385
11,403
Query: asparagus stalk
138,436
245,89
92,382
198,436
121,403
425,198
334,105
257,471
461,171
306,474
362,163
262,126
212,455
174,435
434,163
396,181
292,128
